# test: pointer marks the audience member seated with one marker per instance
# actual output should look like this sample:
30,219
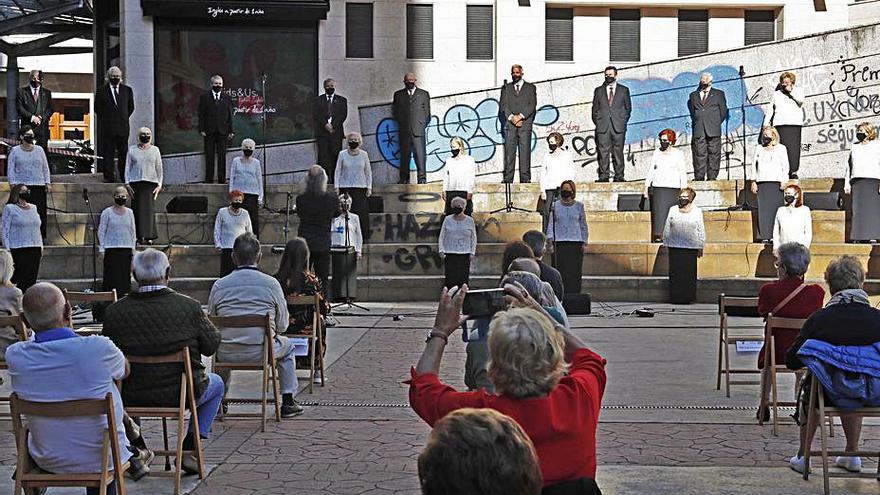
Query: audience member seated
847,320
57,366
10,302
528,351
536,240
155,321
248,291
788,297
479,451
512,251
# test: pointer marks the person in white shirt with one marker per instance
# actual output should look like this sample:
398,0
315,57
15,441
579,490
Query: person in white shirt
246,175
558,168
20,227
457,245
793,221
567,235
143,176
768,172
27,164
346,246
116,242
354,176
862,179
459,176
684,236
665,178
786,114
231,222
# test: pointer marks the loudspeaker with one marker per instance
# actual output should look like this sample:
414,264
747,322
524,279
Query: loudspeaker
633,202
188,204
576,304
376,204
826,201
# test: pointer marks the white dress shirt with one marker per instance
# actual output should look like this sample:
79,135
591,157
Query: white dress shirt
558,168
770,164
459,174
793,224
667,169
684,230
783,109
355,237
864,162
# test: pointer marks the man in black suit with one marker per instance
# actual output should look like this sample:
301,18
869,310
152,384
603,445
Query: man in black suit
518,105
611,110
34,103
329,114
215,125
411,108
114,104
708,108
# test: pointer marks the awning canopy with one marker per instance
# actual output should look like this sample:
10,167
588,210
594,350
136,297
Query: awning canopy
60,19
238,10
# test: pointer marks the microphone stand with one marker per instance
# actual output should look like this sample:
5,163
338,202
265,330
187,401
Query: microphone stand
263,124
348,301
94,231
286,217
508,194
553,262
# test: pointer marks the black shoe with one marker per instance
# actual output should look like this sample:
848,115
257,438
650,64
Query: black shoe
423,181
291,410
189,464
139,464
763,414
606,179
619,179
403,181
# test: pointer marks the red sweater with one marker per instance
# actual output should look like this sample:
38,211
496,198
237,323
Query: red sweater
562,425
807,302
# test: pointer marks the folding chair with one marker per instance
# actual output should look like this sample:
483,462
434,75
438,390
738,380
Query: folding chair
74,297
28,476
187,398
734,306
819,412
267,366
16,322
314,333
777,323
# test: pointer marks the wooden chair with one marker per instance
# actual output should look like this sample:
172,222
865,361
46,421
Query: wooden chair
187,398
74,298
29,476
819,412
267,366
16,322
774,368
734,306
315,333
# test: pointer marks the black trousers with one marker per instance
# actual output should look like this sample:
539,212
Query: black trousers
329,146
457,270
518,140
609,148
38,199
583,486
319,264
110,147
450,195
226,264
568,258
790,136
215,153
251,205
412,146
144,208
682,275
360,207
345,271
117,271
706,152
27,266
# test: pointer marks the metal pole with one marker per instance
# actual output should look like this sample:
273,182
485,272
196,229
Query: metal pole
11,92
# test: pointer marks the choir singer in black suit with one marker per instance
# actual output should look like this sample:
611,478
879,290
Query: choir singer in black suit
708,108
611,110
329,114
412,111
114,104
519,101
215,125
34,104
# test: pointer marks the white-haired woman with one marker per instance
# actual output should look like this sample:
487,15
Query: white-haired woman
458,244
354,176
10,302
143,176
245,175
117,239
459,177
768,172
20,226
862,179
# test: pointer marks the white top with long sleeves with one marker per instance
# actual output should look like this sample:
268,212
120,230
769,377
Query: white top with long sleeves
458,236
785,109
246,176
355,237
143,165
28,167
21,227
353,170
770,164
459,174
568,223
684,230
558,168
864,162
667,169
116,230
793,224
228,226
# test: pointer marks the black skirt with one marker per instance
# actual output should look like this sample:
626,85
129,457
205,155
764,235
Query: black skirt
568,258
450,195
457,268
226,264
360,206
117,270
252,206
38,199
345,271
144,207
27,266
790,137
865,209
682,275
769,200
662,199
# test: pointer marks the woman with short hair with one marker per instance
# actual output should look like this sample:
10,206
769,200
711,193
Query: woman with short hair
457,244
558,168
793,222
786,115
459,176
117,241
143,175
665,178
20,226
768,171
684,236
231,222
10,302
246,176
862,179
27,164
354,176
567,234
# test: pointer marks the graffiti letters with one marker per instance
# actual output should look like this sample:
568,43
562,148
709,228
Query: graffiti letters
407,227
423,255
853,74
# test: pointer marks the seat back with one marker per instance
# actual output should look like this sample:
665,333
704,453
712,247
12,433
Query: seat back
77,297
16,322
314,301
182,357
776,322
737,305
247,321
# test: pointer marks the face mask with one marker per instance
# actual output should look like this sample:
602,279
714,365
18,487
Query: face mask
329,91
552,146
28,138
119,200
345,206
609,79
664,145
682,202
247,152
353,144
235,205
789,199
765,140
34,84
25,195
457,209
115,81
566,194
217,88
516,79
144,138
455,152
704,85
860,136
409,85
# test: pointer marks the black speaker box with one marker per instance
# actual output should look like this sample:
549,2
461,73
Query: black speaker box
823,201
188,204
376,204
633,202
576,304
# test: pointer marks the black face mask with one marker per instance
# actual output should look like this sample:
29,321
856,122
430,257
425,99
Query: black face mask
144,138
35,84
409,85
119,200
235,205
329,91
516,79
664,145
860,136
788,198
217,88
28,138
704,85
682,202
25,195
609,79
247,152
766,140
455,152
566,194
456,210
353,144
115,81
552,146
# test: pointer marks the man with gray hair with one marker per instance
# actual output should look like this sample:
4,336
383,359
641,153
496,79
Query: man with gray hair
114,104
708,109
215,126
317,208
538,242
329,112
248,291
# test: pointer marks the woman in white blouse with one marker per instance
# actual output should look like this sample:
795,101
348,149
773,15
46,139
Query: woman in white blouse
793,221
27,164
684,237
143,176
768,172
459,177
116,242
231,222
458,244
354,176
20,226
862,179
558,168
567,235
246,176
786,114
665,178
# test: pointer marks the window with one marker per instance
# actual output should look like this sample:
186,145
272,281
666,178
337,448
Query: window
420,31
760,26
693,32
625,35
359,30
479,32
558,35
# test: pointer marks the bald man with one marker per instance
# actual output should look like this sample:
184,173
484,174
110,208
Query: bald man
412,110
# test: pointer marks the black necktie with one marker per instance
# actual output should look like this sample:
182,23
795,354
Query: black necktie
116,95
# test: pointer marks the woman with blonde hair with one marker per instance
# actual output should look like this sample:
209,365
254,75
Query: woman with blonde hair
862,179
768,172
786,115
10,302
143,177
459,176
354,176
558,168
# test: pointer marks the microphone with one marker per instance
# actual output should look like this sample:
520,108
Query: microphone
742,71
86,194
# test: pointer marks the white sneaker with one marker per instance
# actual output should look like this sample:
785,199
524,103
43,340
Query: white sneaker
317,379
851,464
797,463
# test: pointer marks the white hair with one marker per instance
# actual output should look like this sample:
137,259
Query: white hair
356,136
216,77
707,74
150,265
114,70
248,143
